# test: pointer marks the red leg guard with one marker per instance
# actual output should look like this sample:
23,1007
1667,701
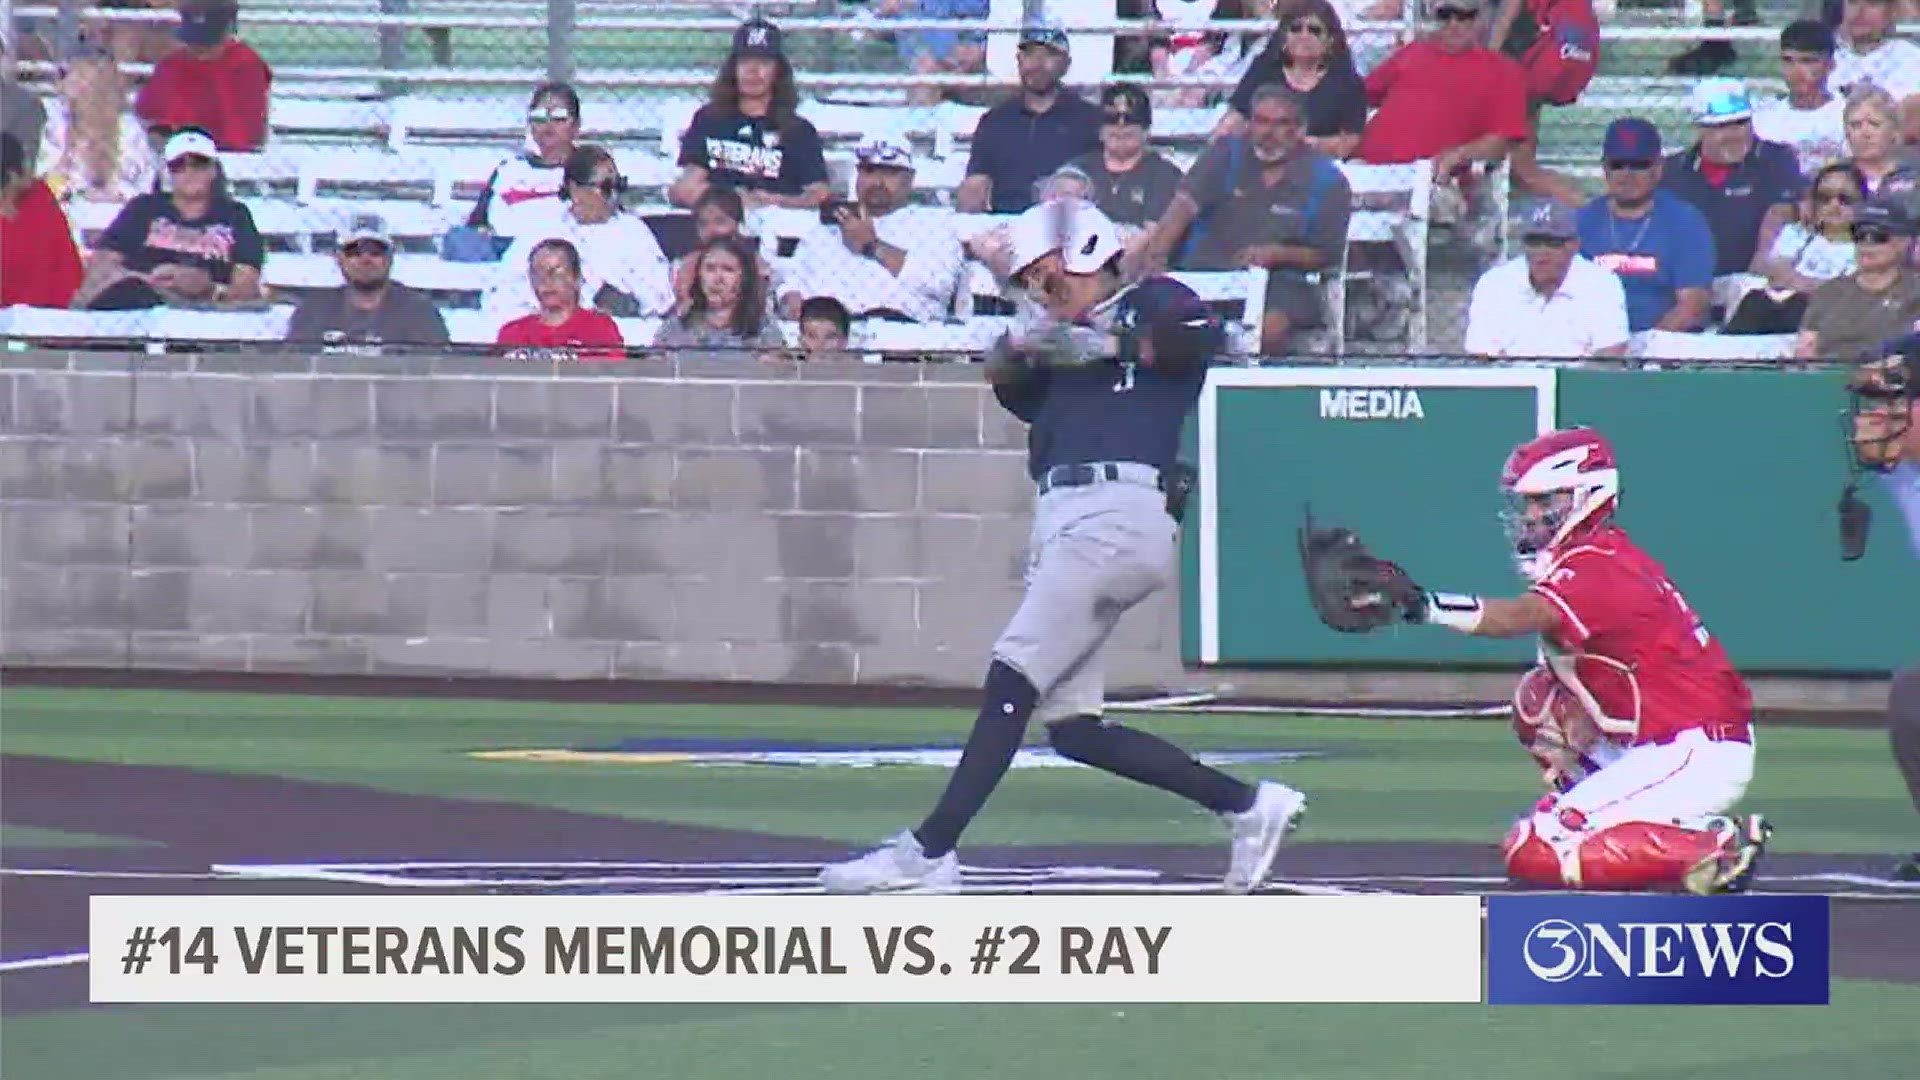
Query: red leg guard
1646,854
1529,859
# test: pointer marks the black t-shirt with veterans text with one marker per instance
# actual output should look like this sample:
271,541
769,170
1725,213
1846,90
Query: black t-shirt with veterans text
751,153
151,231
1135,197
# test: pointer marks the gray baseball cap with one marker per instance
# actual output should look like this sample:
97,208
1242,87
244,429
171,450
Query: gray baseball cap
1552,220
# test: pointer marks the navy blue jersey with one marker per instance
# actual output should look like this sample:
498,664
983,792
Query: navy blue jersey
1118,407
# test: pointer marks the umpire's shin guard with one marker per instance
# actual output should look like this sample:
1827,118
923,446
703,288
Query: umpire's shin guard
1150,760
997,734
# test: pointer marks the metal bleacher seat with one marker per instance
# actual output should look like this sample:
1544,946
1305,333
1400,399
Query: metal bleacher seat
1392,204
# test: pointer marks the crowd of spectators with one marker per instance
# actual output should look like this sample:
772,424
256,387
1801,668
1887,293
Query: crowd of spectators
1791,192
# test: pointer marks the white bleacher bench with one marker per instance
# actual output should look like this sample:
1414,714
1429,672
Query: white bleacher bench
1669,345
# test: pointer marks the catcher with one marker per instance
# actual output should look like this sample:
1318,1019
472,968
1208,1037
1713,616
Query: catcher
1641,726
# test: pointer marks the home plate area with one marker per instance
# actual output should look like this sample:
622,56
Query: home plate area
798,877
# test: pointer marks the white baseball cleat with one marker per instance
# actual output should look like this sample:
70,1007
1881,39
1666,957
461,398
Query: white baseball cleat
899,865
1258,833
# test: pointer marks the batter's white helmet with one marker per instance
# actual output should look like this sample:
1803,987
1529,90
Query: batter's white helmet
1086,238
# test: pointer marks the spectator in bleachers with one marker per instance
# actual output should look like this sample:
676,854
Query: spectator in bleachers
1127,179
1810,119
1031,134
1550,302
882,257
825,326
623,271
1873,143
1715,54
750,135
729,308
1748,188
190,243
371,309
562,323
1310,55
1805,256
127,41
1869,52
1879,300
1659,244
1185,47
937,52
1264,199
718,214
522,196
1559,63
21,113
216,82
1447,98
39,263
95,149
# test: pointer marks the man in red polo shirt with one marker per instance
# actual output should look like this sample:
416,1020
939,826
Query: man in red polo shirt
1446,97
216,82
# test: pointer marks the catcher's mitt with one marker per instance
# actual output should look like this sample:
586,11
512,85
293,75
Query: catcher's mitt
1352,591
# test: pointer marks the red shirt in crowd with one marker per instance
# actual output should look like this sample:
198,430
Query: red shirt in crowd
1432,100
593,332
225,93
39,264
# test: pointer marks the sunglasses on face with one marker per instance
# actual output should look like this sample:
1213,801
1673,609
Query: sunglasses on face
1448,14
1872,234
1311,29
549,116
189,161
365,249
606,186
1125,118
1552,242
1629,166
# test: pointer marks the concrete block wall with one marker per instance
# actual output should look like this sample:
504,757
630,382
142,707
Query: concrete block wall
780,523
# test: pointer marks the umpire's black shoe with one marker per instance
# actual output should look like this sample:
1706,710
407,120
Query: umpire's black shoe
1907,869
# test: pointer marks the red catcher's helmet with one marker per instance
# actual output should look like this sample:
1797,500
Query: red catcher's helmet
1558,486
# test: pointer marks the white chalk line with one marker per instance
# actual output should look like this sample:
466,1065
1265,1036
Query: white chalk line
32,962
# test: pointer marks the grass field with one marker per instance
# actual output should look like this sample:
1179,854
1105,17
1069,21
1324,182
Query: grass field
1832,791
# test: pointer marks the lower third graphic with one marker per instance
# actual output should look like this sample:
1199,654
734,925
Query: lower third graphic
1657,950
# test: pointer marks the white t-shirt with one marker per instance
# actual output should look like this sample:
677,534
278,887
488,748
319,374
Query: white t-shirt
1817,136
1893,65
522,196
1508,317
823,265
620,252
1813,255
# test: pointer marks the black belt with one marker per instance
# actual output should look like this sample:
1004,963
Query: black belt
1081,475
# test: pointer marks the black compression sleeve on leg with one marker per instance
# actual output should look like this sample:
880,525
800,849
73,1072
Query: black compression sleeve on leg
1150,760
1903,726
996,737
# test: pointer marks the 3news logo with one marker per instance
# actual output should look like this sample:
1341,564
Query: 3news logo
1657,950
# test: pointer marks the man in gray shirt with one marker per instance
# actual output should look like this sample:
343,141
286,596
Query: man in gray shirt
1263,199
371,310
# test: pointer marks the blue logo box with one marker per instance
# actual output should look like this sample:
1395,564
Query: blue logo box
1585,949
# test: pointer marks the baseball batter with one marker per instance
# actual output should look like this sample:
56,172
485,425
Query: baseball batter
1884,437
1105,373
1642,725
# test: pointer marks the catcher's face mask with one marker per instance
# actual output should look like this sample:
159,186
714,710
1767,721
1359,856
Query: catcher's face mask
1532,521
1879,417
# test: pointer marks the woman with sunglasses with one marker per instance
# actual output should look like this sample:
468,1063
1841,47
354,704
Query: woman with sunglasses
191,243
624,272
728,308
1854,313
522,195
1804,256
1309,54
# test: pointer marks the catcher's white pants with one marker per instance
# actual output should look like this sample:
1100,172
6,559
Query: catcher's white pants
1684,782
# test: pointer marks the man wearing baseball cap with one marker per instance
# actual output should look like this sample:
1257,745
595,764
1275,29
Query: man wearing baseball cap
215,82
750,136
1031,134
1658,243
880,257
1748,188
1549,302
371,311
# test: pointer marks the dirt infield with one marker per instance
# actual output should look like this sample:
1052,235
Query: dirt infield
215,832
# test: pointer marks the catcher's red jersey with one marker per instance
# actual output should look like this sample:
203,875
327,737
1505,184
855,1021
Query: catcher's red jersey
1629,638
